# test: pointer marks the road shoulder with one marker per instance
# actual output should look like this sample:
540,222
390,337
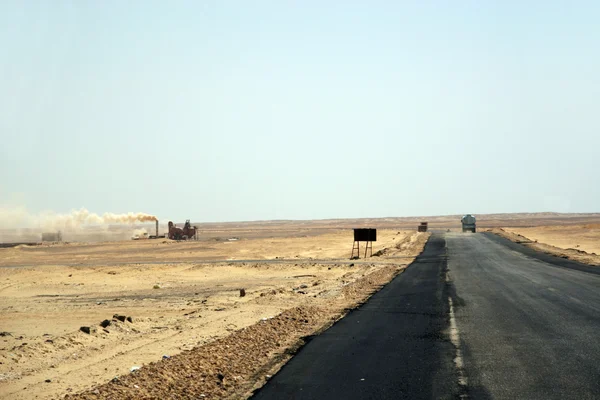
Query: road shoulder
549,258
394,346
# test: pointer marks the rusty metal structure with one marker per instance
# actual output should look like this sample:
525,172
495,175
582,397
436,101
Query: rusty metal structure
423,227
188,232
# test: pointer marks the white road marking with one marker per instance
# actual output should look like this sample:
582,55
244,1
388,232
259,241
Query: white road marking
455,339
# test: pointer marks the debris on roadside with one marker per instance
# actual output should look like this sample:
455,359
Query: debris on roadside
119,317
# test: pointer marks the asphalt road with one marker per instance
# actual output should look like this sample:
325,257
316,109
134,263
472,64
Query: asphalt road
473,317
529,329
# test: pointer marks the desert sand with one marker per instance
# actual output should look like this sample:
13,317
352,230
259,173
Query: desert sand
583,237
187,317
176,301
579,242
222,231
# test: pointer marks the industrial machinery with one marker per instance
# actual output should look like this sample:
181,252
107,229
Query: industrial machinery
145,235
187,232
468,223
157,235
423,227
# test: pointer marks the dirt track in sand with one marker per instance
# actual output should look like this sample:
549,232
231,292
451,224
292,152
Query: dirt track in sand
44,304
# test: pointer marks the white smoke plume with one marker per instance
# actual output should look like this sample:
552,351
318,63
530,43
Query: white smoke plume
19,217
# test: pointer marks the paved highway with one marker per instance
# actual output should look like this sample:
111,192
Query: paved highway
473,317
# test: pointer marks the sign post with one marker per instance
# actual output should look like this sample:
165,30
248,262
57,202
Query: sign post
368,235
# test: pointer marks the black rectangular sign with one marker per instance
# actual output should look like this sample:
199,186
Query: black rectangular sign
365,235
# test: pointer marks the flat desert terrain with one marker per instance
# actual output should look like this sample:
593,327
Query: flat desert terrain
174,300
582,237
176,311
579,242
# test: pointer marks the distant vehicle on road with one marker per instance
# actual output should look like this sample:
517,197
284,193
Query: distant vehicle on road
468,223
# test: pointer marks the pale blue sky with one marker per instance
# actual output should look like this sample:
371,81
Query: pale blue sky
243,110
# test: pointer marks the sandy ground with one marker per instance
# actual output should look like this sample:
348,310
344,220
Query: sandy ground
176,304
336,244
583,237
184,300
214,232
576,242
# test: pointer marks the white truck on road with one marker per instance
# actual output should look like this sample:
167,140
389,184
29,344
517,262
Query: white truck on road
468,223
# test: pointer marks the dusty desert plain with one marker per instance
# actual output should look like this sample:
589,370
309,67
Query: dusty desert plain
213,318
